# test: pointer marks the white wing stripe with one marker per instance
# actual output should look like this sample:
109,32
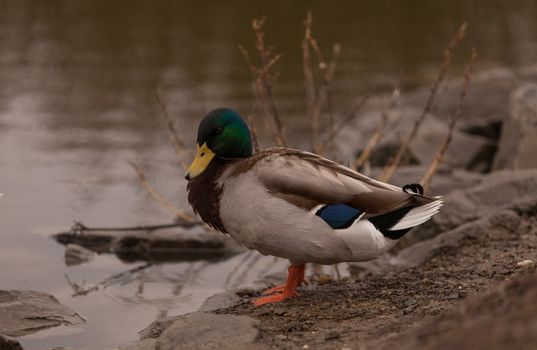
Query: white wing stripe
418,215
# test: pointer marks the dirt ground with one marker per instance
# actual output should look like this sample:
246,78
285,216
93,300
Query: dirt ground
458,298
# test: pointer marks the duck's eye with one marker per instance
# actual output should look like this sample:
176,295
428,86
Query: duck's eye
219,131
202,154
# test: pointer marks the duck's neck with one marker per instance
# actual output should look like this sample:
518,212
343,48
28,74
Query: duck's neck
204,193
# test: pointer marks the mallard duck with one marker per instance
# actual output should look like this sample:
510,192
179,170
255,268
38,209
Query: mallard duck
295,204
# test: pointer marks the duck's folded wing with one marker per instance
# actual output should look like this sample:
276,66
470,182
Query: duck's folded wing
308,180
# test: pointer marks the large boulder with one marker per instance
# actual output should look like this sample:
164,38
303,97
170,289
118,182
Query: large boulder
144,344
202,331
487,98
443,182
518,143
501,189
23,312
465,151
493,226
6,343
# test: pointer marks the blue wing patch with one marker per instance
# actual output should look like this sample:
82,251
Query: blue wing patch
338,216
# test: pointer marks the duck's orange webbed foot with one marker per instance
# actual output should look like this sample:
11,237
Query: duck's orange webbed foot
295,278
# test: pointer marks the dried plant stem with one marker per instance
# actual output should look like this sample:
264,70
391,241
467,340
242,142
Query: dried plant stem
433,168
379,132
366,153
263,81
176,141
390,169
324,98
159,197
339,126
253,130
327,88
80,290
317,101
309,83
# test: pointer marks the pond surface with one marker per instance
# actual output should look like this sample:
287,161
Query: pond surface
77,100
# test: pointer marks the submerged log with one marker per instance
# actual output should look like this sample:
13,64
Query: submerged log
169,242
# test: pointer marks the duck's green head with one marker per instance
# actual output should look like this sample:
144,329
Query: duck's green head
223,134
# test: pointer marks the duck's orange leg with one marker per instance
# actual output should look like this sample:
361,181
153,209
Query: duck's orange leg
295,278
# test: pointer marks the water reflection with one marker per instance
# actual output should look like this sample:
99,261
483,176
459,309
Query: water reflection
77,87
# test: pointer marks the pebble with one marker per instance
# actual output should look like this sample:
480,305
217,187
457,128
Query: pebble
279,311
524,263
410,302
324,279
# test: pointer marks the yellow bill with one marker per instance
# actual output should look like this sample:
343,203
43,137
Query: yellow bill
203,157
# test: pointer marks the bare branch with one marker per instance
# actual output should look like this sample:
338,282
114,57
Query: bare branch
266,79
248,60
253,131
318,101
176,141
379,132
309,83
433,168
263,81
324,98
389,170
159,197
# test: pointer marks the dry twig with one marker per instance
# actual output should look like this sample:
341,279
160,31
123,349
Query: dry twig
253,131
263,80
426,180
159,197
379,132
80,290
390,169
309,83
176,141
317,101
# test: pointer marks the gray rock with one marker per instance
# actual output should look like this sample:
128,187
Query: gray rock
518,143
145,344
76,254
465,150
24,312
495,225
7,343
487,98
220,301
202,331
444,181
155,329
501,189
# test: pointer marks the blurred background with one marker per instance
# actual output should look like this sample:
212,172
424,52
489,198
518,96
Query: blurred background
78,81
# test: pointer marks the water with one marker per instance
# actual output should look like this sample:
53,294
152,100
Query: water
77,99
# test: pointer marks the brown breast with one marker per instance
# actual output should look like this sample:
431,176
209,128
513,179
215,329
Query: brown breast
204,193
